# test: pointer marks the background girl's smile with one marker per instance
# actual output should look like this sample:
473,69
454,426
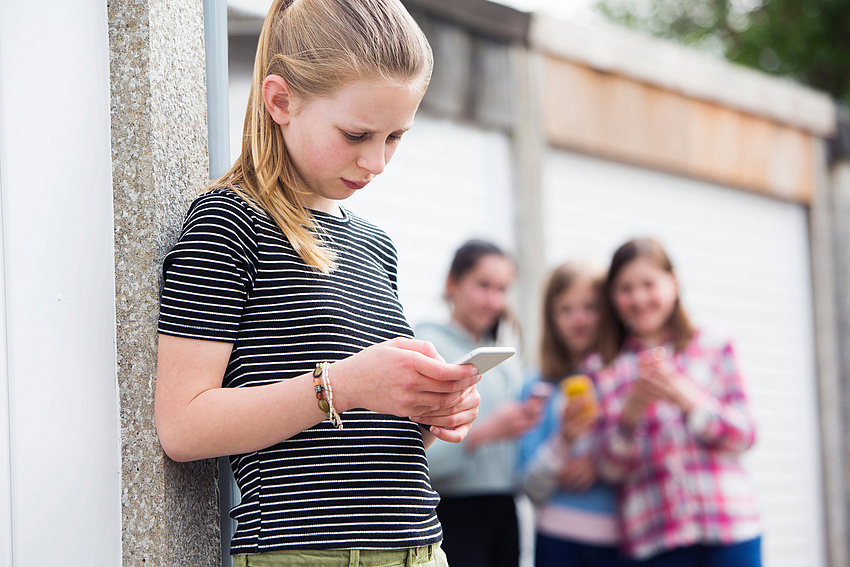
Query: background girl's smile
645,296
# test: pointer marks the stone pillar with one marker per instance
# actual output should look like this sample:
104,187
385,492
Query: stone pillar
170,513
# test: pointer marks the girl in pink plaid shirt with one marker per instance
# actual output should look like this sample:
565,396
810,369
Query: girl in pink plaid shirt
675,422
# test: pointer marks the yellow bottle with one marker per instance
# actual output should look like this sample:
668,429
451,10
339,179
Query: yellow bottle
581,386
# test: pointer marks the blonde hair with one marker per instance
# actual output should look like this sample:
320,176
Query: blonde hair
556,358
317,47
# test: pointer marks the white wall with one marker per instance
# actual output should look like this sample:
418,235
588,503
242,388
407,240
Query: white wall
59,442
743,266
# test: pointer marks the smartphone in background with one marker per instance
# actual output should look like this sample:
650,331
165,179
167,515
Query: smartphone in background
485,358
542,389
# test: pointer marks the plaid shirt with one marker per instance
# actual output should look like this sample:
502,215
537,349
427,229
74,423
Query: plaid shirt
680,475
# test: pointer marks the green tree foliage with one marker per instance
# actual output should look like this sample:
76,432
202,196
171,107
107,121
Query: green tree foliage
807,40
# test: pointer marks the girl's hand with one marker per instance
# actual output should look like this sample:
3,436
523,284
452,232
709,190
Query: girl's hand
577,475
196,418
642,394
667,383
452,424
577,418
402,377
509,421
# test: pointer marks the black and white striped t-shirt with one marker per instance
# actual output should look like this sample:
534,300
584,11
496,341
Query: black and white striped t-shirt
234,277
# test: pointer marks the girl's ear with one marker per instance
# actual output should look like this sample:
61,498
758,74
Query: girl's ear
277,98
449,290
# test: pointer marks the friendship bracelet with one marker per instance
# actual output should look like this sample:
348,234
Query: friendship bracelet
336,420
325,394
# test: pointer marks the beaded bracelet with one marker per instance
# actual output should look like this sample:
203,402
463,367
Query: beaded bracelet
325,393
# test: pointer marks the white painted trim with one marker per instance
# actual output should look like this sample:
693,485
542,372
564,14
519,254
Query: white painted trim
615,49
6,535
57,289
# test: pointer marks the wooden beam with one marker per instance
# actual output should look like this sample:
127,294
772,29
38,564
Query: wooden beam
616,117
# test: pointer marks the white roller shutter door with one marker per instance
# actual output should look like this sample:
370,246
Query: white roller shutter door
743,264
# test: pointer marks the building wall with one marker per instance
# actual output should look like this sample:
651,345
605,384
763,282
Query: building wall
60,462
636,100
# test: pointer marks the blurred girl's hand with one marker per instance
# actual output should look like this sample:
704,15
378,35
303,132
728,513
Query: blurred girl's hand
576,419
641,395
578,474
509,421
667,383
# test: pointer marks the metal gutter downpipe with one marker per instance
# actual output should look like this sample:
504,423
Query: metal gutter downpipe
218,144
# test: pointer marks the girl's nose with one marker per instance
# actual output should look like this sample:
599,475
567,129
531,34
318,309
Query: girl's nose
641,297
373,159
497,299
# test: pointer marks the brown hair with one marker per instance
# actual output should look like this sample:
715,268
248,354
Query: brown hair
613,331
556,359
318,47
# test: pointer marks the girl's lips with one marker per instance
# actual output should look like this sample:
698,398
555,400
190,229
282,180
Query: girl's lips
353,184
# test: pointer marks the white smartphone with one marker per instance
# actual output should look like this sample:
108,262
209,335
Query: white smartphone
485,358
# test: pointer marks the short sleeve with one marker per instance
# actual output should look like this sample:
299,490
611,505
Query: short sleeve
208,274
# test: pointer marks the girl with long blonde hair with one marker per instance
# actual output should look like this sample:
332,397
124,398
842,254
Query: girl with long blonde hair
282,341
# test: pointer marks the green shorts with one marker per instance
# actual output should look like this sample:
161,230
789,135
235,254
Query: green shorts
428,556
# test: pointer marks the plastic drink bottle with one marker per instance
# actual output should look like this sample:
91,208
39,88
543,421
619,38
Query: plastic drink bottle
580,386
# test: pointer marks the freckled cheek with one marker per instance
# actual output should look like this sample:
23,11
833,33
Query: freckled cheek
336,156
321,158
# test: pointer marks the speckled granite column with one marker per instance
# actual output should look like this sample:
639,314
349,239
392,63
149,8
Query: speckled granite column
159,152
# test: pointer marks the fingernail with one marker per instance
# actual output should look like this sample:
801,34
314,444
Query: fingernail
435,430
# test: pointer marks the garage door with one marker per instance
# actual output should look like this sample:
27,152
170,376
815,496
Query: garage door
743,265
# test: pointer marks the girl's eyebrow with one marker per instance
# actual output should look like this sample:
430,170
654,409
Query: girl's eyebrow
369,130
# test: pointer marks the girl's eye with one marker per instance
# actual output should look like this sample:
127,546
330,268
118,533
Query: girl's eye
394,137
353,137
